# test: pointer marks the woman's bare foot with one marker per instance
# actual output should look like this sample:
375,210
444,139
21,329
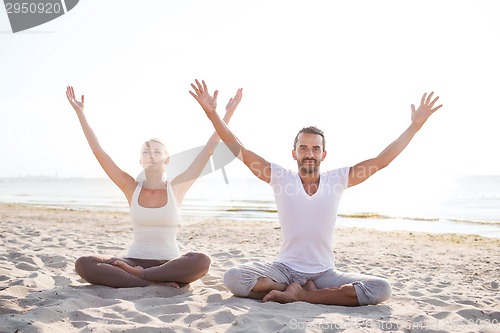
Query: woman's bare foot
139,271
169,284
134,270
292,294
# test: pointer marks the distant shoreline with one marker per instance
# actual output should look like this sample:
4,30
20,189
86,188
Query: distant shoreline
364,220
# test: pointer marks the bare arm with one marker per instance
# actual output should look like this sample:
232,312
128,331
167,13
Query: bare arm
258,165
362,171
123,180
184,181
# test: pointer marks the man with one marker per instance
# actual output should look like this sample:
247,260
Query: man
307,203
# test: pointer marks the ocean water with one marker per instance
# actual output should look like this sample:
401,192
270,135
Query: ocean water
469,204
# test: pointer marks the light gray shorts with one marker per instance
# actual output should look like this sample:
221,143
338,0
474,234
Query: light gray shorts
241,279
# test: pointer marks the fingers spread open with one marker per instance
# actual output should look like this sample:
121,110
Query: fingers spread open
196,90
200,88
436,108
433,101
193,94
422,101
429,97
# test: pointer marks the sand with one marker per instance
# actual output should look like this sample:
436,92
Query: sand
441,283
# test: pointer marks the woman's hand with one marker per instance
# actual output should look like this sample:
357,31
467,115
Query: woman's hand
77,105
233,102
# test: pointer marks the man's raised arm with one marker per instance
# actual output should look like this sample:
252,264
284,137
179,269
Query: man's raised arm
259,166
362,171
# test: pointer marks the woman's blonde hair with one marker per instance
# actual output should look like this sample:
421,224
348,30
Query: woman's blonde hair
142,175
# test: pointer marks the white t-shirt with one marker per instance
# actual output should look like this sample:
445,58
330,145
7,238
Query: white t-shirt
307,222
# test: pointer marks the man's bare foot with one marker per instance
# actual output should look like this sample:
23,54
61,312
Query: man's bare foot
292,294
265,284
309,286
136,270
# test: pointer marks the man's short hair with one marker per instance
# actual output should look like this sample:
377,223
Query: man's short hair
310,130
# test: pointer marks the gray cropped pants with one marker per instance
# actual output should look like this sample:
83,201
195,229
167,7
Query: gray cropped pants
370,290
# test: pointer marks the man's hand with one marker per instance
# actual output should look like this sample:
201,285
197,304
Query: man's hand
424,111
233,102
207,102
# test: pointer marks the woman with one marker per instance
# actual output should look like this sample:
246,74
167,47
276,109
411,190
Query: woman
154,203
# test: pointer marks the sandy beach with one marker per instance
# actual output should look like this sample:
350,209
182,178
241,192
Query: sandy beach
441,283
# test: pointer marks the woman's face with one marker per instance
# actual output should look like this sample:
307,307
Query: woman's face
153,154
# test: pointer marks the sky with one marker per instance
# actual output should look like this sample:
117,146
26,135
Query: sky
352,68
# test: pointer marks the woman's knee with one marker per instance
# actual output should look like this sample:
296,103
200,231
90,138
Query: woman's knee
201,260
83,266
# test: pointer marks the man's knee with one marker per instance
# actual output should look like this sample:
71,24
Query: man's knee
381,291
384,291
373,291
233,282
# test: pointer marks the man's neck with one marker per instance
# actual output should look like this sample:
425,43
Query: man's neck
310,182
309,178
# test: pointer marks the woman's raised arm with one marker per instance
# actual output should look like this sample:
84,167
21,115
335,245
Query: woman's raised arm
123,180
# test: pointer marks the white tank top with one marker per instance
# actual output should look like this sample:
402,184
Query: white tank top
155,229
307,221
